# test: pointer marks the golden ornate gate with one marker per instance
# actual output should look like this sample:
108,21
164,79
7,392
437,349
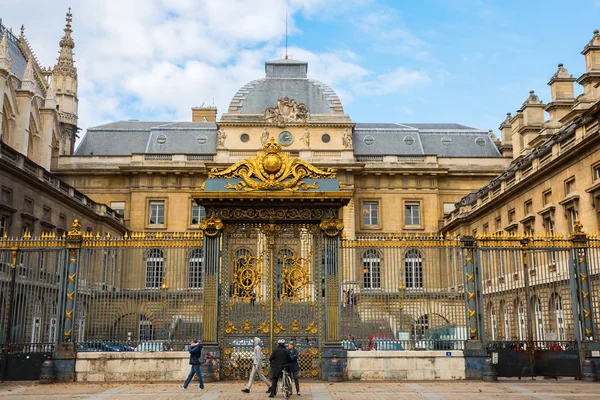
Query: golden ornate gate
270,273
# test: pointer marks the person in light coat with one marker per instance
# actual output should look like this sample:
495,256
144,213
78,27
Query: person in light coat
257,367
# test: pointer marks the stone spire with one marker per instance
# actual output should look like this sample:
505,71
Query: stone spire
5,61
64,78
50,100
28,82
65,58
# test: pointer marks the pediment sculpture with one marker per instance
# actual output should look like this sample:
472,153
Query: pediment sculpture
286,111
272,170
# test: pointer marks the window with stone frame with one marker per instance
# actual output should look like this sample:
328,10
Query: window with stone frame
547,197
527,207
569,186
548,224
370,211
4,225
511,215
498,223
596,172
47,214
119,207
486,228
412,213
197,213
572,217
6,196
28,205
156,212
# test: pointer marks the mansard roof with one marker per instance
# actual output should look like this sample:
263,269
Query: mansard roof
124,138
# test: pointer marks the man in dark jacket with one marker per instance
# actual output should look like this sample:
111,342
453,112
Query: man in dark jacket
294,367
280,358
195,350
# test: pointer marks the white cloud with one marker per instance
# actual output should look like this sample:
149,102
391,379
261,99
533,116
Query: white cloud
154,59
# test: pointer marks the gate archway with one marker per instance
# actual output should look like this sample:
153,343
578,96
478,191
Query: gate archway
271,259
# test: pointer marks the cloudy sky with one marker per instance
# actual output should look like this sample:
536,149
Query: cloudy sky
467,61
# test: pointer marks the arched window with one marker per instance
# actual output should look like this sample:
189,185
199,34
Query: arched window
520,319
31,145
420,327
371,269
538,318
155,268
413,269
556,305
195,269
492,324
505,320
5,132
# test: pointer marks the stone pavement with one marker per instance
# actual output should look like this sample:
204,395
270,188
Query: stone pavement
354,390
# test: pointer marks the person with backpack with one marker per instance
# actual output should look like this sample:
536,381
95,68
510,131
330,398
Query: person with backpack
195,349
257,367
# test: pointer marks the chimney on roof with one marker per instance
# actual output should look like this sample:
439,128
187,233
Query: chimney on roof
204,114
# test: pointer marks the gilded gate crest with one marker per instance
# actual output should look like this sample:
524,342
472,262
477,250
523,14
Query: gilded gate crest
272,170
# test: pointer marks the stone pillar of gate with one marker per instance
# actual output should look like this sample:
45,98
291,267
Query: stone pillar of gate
332,349
474,350
590,347
212,228
65,354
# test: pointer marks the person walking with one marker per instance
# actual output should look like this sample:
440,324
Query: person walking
257,367
195,350
294,367
279,359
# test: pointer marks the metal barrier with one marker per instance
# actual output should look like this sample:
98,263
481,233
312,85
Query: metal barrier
534,301
402,293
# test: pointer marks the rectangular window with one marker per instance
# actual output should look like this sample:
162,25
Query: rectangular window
448,208
511,215
62,221
549,225
371,213
27,227
156,215
412,213
6,197
118,206
596,169
486,228
573,216
498,223
527,207
569,186
547,197
28,205
528,228
4,225
198,213
47,216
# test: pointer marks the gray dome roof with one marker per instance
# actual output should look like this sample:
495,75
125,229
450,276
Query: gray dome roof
285,78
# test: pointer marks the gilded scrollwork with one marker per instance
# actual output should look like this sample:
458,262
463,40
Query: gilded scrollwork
272,170
295,276
332,226
246,278
211,226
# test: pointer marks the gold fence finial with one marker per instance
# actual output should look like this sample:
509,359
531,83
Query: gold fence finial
578,232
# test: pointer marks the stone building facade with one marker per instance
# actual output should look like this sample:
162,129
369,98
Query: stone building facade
554,178
38,114
404,176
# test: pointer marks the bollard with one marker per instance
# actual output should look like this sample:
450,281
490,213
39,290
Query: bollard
335,370
47,373
589,370
489,371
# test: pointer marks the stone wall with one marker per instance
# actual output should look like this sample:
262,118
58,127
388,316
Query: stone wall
132,366
406,365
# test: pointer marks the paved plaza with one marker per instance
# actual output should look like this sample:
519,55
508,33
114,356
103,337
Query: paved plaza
505,389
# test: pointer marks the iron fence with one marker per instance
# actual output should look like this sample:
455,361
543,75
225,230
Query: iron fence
145,292
401,293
